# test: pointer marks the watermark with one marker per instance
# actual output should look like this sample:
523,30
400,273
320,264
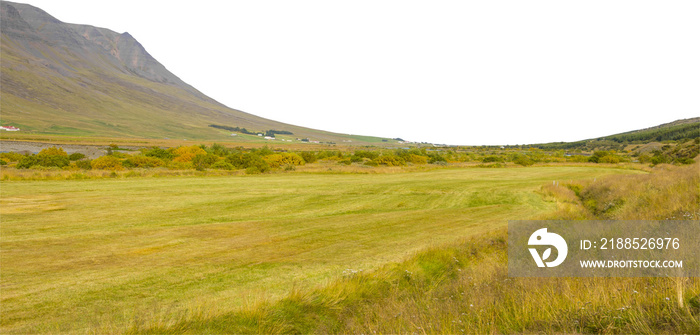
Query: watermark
604,248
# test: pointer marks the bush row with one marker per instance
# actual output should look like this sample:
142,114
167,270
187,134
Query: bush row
262,160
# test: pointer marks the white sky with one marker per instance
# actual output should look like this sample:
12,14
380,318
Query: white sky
455,72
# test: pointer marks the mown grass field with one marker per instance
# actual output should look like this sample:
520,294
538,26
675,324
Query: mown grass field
113,254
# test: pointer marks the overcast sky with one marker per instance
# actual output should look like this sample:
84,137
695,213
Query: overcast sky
454,72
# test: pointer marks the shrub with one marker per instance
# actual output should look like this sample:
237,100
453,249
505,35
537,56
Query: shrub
3,162
53,151
389,160
84,164
492,159
49,157
76,156
327,154
248,160
203,161
143,162
436,159
236,159
523,160
27,162
283,159
223,165
366,154
107,163
180,165
658,159
158,153
308,157
252,170
43,160
354,159
609,159
186,154
264,151
218,150
604,157
119,155
416,159
11,156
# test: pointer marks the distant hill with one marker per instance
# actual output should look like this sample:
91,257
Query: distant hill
673,131
70,79
679,131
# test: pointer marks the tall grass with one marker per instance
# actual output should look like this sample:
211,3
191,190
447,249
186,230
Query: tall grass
668,193
465,289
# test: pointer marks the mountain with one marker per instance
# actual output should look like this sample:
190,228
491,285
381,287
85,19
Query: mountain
71,79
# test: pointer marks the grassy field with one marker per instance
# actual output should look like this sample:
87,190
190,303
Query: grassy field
113,254
463,287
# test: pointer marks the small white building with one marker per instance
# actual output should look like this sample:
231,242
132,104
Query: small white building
9,128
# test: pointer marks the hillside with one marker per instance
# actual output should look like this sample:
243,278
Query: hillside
677,131
79,80
673,131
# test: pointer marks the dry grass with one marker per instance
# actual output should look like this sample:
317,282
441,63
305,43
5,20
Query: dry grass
464,289
668,193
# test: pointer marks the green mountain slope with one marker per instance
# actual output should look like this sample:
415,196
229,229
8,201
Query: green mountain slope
69,79
674,131
678,131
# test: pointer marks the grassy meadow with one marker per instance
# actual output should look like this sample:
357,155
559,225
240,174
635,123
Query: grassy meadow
463,287
156,254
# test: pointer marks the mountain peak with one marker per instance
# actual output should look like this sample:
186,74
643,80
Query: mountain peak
102,48
74,79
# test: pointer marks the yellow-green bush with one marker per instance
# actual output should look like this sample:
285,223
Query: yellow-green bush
186,154
53,151
283,159
416,159
11,156
609,159
175,165
107,163
389,160
143,162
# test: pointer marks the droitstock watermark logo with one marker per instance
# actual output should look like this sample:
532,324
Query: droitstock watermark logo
542,237
604,248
